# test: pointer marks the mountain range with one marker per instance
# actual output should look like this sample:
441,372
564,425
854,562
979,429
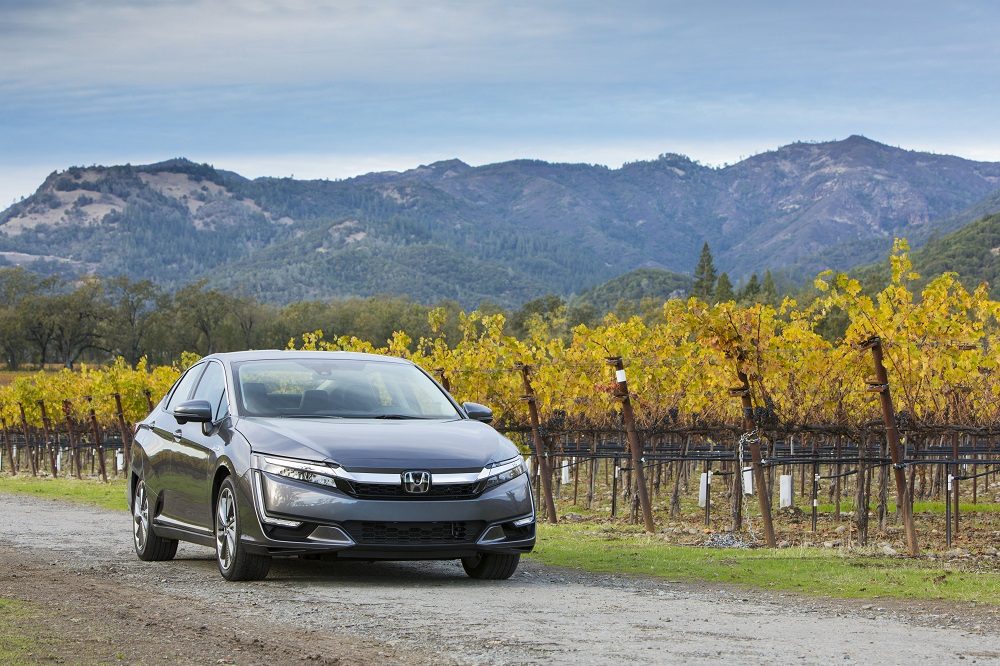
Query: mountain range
505,232
972,251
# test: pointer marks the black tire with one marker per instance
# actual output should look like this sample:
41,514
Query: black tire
235,563
148,546
491,566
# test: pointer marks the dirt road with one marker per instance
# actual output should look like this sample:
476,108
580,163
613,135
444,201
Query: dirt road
76,568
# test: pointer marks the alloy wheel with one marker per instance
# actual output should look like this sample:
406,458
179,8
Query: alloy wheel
140,516
225,529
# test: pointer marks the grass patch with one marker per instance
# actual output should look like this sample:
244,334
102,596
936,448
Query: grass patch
918,507
622,549
109,495
15,647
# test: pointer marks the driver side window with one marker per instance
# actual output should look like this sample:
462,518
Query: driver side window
212,388
184,386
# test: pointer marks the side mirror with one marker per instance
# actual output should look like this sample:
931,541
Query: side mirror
478,412
196,411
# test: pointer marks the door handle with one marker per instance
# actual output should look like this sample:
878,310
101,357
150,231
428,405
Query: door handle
177,435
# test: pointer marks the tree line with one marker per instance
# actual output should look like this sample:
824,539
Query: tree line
49,319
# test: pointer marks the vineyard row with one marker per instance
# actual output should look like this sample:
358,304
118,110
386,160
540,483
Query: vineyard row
909,369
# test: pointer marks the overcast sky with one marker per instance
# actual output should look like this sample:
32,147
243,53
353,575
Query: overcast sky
333,89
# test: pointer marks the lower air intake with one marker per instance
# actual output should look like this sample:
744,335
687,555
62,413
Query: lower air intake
412,533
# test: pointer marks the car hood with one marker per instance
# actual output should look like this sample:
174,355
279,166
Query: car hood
368,445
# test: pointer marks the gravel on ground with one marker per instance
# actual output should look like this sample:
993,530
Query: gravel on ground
75,566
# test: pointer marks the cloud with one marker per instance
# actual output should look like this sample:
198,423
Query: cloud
297,42
294,41
336,88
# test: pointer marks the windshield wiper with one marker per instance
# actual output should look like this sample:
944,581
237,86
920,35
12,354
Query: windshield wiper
309,416
397,416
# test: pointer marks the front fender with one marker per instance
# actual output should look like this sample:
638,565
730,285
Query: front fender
136,469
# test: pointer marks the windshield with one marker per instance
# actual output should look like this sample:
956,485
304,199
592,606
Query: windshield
336,388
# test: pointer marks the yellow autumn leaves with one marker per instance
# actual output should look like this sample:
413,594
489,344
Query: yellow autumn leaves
940,349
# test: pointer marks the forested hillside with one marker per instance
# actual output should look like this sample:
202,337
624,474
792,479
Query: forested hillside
507,233
973,252
632,287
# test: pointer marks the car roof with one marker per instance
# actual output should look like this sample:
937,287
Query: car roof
283,354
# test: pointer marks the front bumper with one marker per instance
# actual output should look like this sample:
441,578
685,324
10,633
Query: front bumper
294,517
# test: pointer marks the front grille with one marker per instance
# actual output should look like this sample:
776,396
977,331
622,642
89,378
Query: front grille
411,533
395,491
377,490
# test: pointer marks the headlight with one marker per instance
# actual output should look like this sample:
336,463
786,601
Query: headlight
504,471
299,470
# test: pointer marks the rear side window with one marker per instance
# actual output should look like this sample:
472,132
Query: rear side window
212,388
184,387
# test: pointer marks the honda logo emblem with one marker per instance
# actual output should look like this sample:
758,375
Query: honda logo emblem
416,482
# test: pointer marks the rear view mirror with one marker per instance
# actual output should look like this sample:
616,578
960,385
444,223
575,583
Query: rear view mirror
196,411
478,412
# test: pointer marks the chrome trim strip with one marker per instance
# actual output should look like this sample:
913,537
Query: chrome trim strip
392,478
499,539
518,522
257,482
504,466
395,479
166,521
322,470
531,496
343,540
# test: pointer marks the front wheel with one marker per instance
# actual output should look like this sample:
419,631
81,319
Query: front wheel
148,546
491,566
235,563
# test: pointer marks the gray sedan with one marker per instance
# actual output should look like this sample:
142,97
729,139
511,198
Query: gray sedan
284,453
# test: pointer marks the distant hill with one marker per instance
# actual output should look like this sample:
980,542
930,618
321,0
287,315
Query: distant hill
873,251
171,222
973,252
635,286
507,232
979,210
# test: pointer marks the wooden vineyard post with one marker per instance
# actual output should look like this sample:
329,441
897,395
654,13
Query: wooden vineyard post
614,488
9,445
126,435
536,436
635,446
953,479
29,449
592,476
675,496
74,445
975,472
53,446
95,431
882,510
708,493
881,386
861,495
837,488
815,485
756,460
736,491
576,478
443,378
